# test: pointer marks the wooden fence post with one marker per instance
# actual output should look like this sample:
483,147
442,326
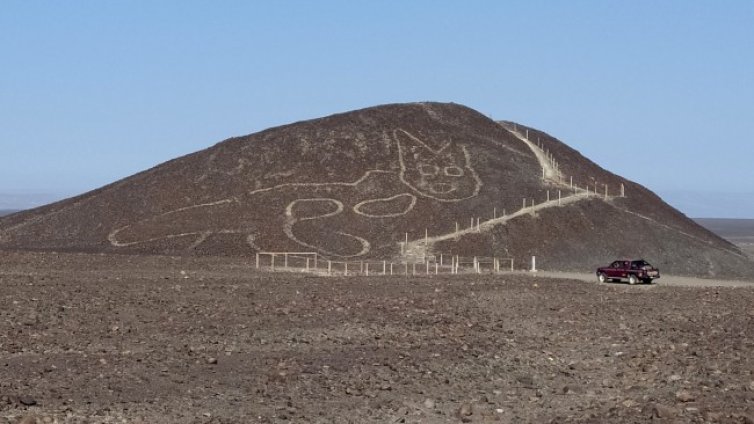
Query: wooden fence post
329,267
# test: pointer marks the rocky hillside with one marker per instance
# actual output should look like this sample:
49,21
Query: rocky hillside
354,185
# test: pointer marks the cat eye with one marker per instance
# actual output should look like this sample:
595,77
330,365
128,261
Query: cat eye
426,169
453,171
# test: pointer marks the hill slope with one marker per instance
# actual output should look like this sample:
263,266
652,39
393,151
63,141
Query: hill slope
353,185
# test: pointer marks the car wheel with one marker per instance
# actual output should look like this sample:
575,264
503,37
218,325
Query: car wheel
632,279
602,277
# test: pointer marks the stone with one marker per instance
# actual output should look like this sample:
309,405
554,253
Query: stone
525,380
663,411
429,403
27,400
713,416
684,396
673,378
212,361
28,419
628,403
465,410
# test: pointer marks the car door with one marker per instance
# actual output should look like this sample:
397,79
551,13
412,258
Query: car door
613,271
624,267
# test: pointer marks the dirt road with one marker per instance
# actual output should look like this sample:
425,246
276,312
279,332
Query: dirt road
93,338
664,280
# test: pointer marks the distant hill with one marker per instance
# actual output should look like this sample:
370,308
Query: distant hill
738,231
354,185
4,212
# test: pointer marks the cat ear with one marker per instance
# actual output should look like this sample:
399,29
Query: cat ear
408,142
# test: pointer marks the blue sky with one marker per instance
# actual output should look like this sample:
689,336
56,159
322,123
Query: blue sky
659,92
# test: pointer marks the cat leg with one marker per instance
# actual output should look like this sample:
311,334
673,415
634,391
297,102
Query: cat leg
306,223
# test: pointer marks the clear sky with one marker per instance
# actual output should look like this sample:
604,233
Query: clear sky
660,92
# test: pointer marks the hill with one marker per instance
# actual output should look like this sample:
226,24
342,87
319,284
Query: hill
4,212
355,185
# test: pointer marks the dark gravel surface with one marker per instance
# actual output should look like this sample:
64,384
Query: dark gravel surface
100,339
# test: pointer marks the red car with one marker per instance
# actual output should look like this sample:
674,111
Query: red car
631,270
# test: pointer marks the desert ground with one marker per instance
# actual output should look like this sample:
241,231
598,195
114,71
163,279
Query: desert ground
88,338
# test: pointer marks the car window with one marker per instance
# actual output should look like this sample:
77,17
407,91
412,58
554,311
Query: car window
615,264
639,264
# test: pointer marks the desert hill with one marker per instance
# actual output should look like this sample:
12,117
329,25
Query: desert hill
353,185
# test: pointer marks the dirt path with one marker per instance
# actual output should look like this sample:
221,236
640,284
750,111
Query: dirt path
421,246
550,170
665,280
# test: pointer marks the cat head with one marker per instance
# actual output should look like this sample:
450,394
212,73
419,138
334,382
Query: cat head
443,174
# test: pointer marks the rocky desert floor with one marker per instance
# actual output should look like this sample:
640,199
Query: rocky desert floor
110,339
